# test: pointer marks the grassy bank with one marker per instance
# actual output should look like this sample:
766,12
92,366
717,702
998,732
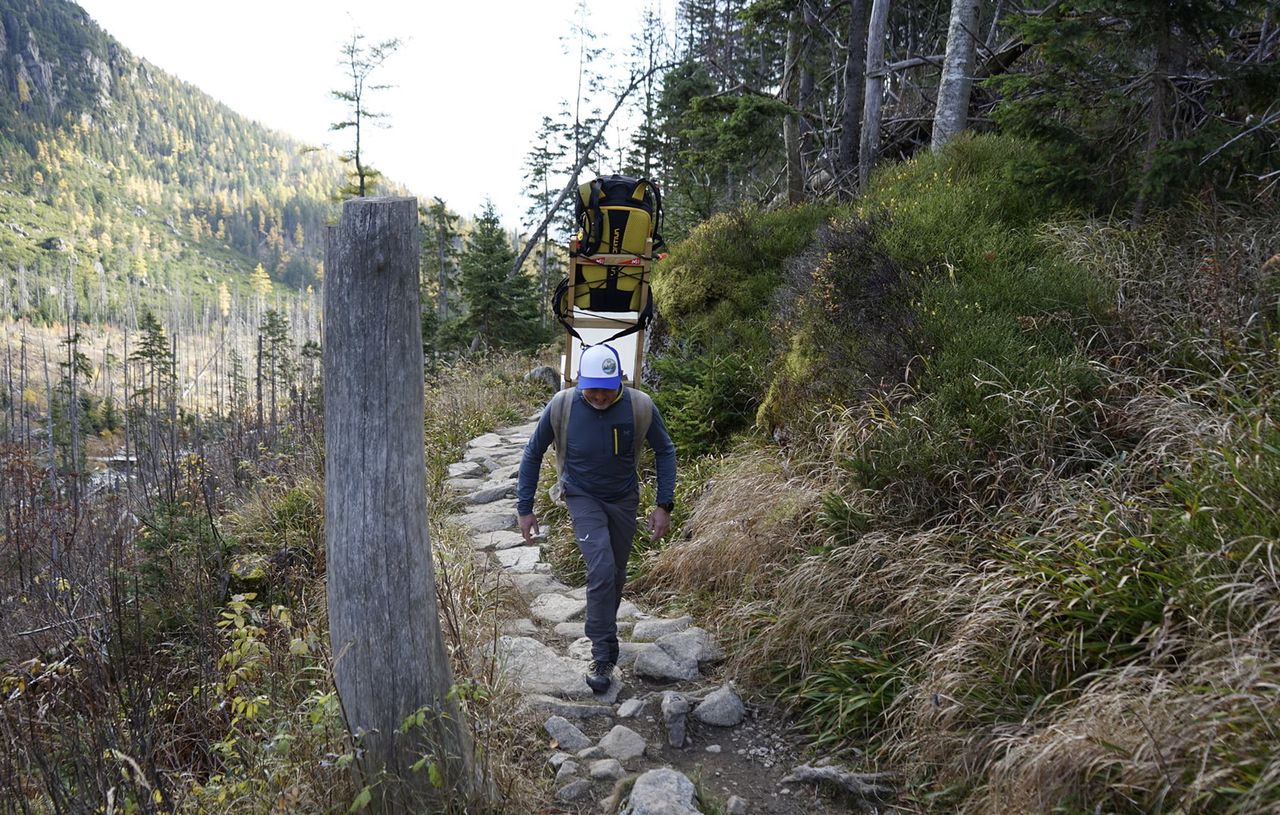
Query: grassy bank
1013,535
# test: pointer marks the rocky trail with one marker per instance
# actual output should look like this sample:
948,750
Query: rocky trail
669,736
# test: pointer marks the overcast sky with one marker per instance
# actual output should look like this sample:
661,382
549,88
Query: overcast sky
472,80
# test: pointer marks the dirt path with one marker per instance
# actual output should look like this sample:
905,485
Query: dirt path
670,734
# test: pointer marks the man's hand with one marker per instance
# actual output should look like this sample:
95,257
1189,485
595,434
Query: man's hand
529,527
659,522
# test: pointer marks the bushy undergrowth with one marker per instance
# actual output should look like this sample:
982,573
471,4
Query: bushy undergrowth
193,673
1039,573
715,293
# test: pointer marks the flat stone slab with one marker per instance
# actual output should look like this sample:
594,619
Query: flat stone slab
557,608
534,668
532,584
487,495
651,629
519,558
552,706
465,469
487,520
627,611
463,484
502,539
487,440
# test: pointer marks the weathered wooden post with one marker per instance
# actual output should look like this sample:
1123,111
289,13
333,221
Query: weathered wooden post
384,625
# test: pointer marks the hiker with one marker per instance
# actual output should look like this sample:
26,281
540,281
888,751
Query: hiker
603,425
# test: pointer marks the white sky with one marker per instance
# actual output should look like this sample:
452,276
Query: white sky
472,81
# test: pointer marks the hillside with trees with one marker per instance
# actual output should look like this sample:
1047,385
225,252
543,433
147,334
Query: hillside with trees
967,341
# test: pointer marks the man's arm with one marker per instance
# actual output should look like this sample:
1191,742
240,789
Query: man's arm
664,453
530,467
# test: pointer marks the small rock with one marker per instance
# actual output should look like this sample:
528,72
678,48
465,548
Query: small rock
735,806
713,748
608,769
558,758
565,734
663,791
655,627
580,649
630,708
566,770
623,743
722,708
574,790
627,611
675,713
593,752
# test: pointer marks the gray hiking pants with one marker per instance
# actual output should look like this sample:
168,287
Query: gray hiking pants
604,532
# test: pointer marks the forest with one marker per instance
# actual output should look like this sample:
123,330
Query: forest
967,340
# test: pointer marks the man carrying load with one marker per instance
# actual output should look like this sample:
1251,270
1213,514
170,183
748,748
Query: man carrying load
598,429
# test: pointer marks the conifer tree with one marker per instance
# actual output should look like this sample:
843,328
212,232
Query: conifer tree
501,308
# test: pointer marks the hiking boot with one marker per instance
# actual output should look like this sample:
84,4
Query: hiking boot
599,675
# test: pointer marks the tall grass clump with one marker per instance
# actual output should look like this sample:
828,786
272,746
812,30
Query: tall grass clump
1037,572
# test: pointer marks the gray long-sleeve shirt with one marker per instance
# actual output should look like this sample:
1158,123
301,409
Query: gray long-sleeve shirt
601,457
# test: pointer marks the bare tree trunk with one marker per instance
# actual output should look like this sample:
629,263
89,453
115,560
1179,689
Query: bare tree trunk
1157,112
791,123
389,651
951,114
873,103
854,81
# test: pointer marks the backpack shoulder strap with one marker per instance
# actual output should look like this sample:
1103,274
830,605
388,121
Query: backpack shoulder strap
641,417
560,408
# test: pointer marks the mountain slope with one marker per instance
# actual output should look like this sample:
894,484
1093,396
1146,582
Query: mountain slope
125,182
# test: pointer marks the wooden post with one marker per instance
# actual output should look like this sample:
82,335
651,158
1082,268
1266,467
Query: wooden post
384,624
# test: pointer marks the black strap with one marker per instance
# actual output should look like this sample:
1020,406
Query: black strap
562,295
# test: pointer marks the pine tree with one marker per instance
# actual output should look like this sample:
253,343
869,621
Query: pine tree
501,309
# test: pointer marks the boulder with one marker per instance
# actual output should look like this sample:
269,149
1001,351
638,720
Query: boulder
655,627
623,743
567,736
721,707
574,790
663,791
658,664
606,769
691,644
